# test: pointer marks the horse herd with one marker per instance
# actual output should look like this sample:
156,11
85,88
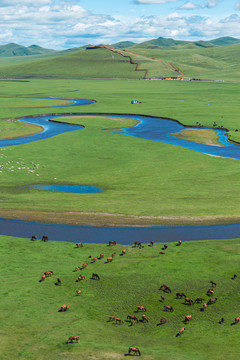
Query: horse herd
132,319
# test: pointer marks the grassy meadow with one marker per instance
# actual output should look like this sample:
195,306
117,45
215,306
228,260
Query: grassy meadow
187,187
32,328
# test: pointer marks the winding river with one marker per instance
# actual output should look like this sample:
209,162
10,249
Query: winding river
151,128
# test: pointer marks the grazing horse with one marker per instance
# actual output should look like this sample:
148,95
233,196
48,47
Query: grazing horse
163,321
237,320
187,318
111,318
212,301
181,331
94,259
133,322
48,273
141,308
84,265
112,242
144,318
101,256
81,277
234,276
109,259
179,242
213,283
34,237
137,243
72,338
210,292
95,276
119,321
132,317
204,307
45,238
136,351
79,245
180,295
59,281
42,278
163,298
162,253
221,321
113,254
165,288
188,301
123,252
64,308
77,268
151,243
165,246
168,308
199,300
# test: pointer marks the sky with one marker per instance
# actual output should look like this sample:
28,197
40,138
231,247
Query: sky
64,24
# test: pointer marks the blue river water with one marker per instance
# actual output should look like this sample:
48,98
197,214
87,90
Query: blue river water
151,128
67,188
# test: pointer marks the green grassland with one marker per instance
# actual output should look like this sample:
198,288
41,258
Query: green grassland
161,183
32,327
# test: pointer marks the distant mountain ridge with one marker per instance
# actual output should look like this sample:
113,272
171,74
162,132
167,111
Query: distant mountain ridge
12,49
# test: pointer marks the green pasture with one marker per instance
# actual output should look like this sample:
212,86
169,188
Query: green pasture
139,177
32,328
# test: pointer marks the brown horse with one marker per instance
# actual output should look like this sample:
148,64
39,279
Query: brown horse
48,273
111,318
136,351
187,318
78,292
94,259
165,288
163,321
144,318
81,277
179,242
64,308
79,245
141,308
204,307
112,242
237,319
119,321
199,300
180,295
95,276
77,268
34,237
73,338
123,252
109,259
84,265
188,301
151,243
213,283
212,301
168,308
210,292
45,238
132,317
133,322
181,331
101,256
42,278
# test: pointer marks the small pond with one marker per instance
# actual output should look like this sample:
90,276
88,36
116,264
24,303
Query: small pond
67,188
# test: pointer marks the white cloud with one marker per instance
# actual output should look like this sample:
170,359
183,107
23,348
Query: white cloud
237,6
189,6
210,4
149,2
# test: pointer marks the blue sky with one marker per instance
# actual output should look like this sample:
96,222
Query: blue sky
62,24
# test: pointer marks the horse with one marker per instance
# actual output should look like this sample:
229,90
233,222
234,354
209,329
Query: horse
180,295
137,243
59,281
188,301
213,283
42,278
165,246
101,256
95,276
168,308
34,237
162,253
180,331
179,242
72,338
109,259
45,238
112,242
141,308
119,321
132,317
165,288
151,243
64,308
204,307
77,268
187,318
78,292
163,298
234,276
221,321
212,301
199,300
144,318
136,351
123,252
84,265
163,321
237,320
94,259
79,245
48,273
81,277
210,292
111,318
133,322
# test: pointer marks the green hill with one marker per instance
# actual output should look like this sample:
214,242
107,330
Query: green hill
12,49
